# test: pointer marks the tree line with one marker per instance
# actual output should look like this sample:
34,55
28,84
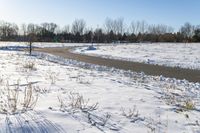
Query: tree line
113,30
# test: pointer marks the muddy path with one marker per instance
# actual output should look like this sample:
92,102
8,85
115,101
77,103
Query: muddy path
149,69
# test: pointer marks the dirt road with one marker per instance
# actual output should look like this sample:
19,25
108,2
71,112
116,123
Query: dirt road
179,73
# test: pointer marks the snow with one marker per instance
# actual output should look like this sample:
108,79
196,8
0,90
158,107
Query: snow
156,103
184,55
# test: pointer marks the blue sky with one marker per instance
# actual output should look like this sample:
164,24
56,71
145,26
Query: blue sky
171,12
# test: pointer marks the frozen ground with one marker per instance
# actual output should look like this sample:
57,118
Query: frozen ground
168,54
79,97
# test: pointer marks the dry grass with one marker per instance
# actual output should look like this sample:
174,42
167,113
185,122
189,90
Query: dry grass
189,105
131,113
52,76
15,100
29,99
177,97
30,66
75,102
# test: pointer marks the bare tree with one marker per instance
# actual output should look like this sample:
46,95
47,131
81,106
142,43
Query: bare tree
8,30
109,25
78,26
98,35
58,30
133,28
138,27
116,26
24,31
48,29
120,26
66,29
142,26
187,30
160,29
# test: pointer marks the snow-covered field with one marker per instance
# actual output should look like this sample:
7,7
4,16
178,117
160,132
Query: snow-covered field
169,54
74,97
